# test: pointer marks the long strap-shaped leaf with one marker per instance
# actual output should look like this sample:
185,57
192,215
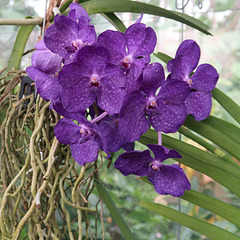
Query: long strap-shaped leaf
115,21
109,6
212,148
224,134
19,45
222,172
207,229
226,211
195,152
227,103
113,210
162,56
232,214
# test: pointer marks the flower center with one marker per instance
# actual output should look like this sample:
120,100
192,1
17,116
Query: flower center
189,81
152,104
94,81
85,131
156,165
77,44
126,62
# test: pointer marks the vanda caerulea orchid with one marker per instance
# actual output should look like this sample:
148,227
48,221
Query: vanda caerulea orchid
70,33
166,110
91,77
202,82
84,139
166,179
130,50
44,71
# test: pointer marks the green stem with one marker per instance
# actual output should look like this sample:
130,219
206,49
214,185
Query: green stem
22,22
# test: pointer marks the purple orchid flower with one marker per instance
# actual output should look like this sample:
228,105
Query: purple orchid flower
166,111
166,179
47,85
44,71
84,139
110,131
70,33
92,77
45,60
131,50
202,82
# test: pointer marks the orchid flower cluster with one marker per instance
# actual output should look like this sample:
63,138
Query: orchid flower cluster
109,93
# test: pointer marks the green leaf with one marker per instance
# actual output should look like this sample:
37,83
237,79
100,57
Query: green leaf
227,103
209,230
19,45
232,214
28,131
221,171
194,152
65,5
224,134
162,56
115,21
109,6
226,211
217,151
113,210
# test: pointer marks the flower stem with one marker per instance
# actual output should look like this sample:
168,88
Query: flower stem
159,138
98,118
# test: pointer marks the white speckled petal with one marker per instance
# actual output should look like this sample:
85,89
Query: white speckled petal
161,153
45,60
79,97
169,180
134,162
205,78
66,131
112,92
85,152
153,77
133,122
114,41
169,118
190,55
61,34
47,86
199,104
72,73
